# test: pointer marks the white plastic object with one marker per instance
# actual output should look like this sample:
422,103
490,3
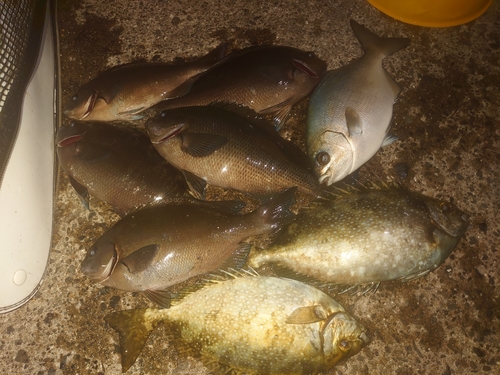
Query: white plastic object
27,191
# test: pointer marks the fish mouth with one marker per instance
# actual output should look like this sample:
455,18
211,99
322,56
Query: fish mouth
161,135
301,65
89,104
110,267
69,140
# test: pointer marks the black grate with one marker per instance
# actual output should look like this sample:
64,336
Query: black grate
21,28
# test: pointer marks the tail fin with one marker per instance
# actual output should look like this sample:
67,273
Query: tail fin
275,212
134,328
374,43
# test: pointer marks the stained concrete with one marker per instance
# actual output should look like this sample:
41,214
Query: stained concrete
447,119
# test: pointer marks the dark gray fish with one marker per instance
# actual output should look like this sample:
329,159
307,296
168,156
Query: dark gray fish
250,324
116,164
152,249
269,80
123,92
368,236
213,146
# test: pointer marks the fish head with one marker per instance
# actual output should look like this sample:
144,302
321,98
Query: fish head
100,260
82,103
333,158
165,127
343,337
447,217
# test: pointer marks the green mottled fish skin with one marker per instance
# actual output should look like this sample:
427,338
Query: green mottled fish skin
350,110
267,79
253,325
117,165
125,91
226,150
154,248
368,237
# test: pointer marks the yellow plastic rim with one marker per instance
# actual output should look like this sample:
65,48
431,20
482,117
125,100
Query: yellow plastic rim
433,13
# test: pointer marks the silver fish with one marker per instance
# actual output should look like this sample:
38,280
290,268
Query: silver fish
350,111
123,92
250,324
154,248
367,236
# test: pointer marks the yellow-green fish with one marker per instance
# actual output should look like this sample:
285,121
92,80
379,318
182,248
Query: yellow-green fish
368,236
250,324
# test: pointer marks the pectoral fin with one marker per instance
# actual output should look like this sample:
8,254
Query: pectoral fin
196,185
141,259
160,297
202,144
353,121
307,315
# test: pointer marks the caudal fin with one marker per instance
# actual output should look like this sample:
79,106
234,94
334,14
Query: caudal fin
134,329
374,43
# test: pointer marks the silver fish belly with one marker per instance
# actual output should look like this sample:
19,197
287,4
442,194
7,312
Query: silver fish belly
350,111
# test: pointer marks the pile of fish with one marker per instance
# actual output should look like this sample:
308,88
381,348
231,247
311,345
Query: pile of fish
209,126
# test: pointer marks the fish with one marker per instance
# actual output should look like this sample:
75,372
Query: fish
350,111
267,79
211,145
252,324
152,249
118,165
365,235
124,92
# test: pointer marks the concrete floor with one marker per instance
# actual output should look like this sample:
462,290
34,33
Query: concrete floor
448,122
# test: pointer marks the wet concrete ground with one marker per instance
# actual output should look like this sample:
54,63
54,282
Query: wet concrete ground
448,123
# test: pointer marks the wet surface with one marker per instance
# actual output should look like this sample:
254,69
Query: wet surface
447,120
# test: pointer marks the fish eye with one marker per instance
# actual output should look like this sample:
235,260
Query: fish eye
445,206
74,98
344,345
163,114
323,158
93,252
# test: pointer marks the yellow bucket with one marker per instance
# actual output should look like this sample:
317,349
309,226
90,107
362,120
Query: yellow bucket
433,13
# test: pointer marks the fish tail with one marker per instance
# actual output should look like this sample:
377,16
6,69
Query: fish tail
372,42
134,328
275,212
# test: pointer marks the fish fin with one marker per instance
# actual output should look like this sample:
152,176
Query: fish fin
133,114
287,273
202,144
276,210
197,185
238,258
160,297
371,42
82,192
91,152
134,330
141,259
389,139
353,121
307,315
280,112
182,89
